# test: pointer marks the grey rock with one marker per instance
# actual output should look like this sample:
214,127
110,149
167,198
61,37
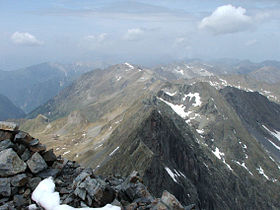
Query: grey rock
5,187
33,182
26,155
8,126
80,191
36,163
34,142
20,201
5,144
48,172
10,163
19,180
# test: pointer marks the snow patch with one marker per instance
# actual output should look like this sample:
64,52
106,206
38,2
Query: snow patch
274,133
260,170
196,96
45,196
114,151
244,166
179,109
220,156
65,153
170,94
129,65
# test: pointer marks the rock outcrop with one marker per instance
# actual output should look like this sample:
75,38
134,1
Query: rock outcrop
24,163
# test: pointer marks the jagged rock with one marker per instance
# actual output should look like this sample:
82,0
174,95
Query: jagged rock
5,144
49,157
8,126
26,155
169,200
10,163
5,135
48,172
5,187
33,142
36,163
38,148
20,201
19,180
23,138
33,182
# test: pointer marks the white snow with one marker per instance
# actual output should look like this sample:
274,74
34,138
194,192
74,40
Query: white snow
196,96
260,170
220,156
100,145
129,65
65,153
274,133
114,151
277,147
171,174
170,94
181,71
244,166
200,131
45,196
118,78
179,109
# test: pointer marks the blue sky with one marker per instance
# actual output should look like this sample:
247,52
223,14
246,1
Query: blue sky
141,32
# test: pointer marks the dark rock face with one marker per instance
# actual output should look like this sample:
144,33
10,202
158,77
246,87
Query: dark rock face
256,111
77,186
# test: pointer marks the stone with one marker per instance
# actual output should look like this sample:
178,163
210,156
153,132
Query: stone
33,182
33,142
38,148
19,180
19,149
20,201
10,163
5,144
170,200
26,155
8,126
49,156
36,163
5,187
5,135
48,172
23,138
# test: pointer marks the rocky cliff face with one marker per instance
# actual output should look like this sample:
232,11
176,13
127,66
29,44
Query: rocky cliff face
24,162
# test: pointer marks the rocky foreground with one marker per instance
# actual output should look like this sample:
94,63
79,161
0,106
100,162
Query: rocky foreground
25,162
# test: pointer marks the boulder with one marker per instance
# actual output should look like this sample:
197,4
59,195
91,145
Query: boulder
49,156
5,135
8,126
10,163
36,163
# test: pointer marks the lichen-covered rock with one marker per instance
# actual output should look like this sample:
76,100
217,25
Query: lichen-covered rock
36,163
171,201
10,163
5,144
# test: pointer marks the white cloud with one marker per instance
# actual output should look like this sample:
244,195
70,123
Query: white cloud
227,19
133,34
96,38
25,39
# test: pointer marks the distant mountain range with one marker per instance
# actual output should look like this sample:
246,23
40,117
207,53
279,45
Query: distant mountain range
207,136
32,86
8,110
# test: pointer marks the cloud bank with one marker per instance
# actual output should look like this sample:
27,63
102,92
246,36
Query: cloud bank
25,39
133,34
227,19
